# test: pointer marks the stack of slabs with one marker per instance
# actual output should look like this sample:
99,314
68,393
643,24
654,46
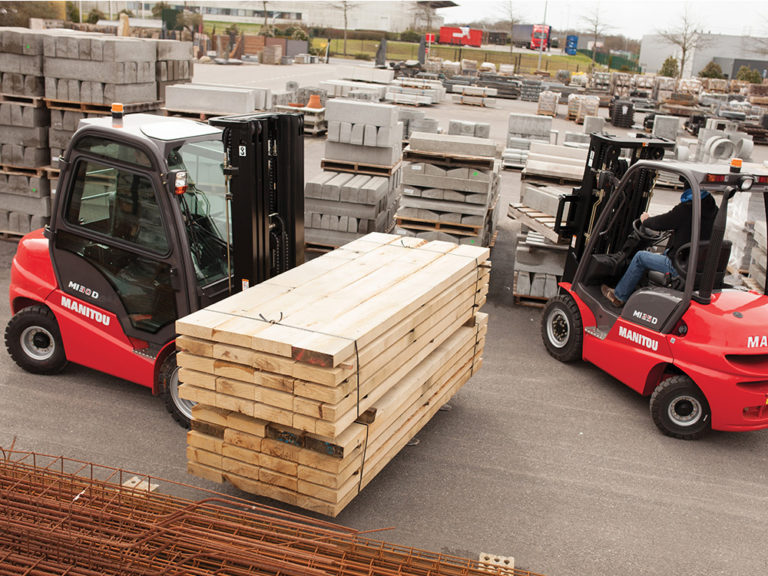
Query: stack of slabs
310,383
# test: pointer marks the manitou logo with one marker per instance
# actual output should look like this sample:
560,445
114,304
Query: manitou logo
83,290
84,310
757,341
633,336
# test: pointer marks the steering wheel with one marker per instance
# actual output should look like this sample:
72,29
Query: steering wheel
648,234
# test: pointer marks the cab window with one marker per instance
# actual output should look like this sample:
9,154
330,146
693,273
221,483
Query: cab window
117,203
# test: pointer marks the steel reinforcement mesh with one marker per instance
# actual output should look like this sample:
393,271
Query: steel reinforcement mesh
66,517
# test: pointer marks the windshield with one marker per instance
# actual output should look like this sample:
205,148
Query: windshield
204,206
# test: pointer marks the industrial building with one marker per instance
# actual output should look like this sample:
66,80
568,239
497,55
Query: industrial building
730,52
387,16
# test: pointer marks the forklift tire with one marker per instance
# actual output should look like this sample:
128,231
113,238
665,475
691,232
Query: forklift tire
561,328
33,340
180,409
680,409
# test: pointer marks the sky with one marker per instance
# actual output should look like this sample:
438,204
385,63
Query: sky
631,18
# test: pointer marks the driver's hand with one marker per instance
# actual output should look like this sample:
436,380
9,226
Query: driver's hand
644,216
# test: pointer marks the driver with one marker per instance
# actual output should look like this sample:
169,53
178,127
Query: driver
679,221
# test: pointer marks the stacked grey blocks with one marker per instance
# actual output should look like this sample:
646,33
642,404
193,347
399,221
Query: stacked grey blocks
174,65
357,193
216,99
539,267
447,196
416,121
24,187
52,79
523,129
97,69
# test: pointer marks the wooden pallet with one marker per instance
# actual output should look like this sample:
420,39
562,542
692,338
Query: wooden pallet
542,223
318,247
35,101
39,171
105,109
358,167
456,228
452,160
532,301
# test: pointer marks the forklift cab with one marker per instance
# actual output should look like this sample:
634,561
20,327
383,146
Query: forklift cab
123,239
660,300
154,218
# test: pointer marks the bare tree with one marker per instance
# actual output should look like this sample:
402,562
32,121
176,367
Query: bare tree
597,27
345,6
512,19
687,36
423,12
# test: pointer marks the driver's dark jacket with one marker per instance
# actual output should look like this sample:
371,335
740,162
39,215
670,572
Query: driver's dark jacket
679,221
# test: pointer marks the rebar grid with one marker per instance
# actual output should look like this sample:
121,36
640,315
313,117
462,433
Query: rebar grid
60,516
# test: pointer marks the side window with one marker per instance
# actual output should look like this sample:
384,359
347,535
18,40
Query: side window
117,203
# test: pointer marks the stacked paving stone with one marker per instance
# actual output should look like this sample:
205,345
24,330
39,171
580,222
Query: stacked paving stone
582,105
475,95
24,187
548,103
216,99
522,130
358,190
174,65
539,266
96,69
476,129
450,189
416,121
531,89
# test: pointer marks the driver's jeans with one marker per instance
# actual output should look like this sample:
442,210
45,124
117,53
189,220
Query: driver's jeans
641,262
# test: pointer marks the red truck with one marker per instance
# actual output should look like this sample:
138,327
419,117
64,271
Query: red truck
540,37
461,36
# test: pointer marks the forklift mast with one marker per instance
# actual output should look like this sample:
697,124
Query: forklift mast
265,173
608,160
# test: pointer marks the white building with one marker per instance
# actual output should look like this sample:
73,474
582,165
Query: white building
729,51
390,16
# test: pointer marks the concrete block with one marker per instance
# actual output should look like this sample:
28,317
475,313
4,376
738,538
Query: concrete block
370,135
21,64
130,93
429,125
345,132
482,130
313,187
358,112
34,137
4,220
208,98
357,135
331,190
334,130
666,127
594,124
19,222
529,125
26,204
374,189
350,191
364,154
452,144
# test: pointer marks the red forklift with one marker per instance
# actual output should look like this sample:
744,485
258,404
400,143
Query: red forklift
692,341
154,218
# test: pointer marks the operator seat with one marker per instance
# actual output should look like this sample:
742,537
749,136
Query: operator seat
681,258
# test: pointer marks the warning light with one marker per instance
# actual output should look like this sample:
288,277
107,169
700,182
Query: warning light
736,164
117,115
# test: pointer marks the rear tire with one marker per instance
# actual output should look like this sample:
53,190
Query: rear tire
180,409
33,340
680,409
561,328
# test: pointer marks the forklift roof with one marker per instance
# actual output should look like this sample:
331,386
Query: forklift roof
155,127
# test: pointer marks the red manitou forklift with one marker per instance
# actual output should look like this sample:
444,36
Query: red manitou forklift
153,219
696,345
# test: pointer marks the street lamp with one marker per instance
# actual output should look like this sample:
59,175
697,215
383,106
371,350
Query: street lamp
541,40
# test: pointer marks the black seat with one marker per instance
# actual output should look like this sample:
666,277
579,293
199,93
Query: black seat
680,263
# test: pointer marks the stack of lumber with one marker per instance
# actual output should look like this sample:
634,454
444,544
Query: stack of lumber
364,141
447,194
310,383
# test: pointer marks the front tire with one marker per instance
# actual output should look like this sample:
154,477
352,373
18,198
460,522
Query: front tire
561,328
180,409
33,340
680,409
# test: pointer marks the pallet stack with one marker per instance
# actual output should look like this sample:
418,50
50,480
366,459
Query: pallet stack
310,383
24,148
357,191
548,103
447,194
